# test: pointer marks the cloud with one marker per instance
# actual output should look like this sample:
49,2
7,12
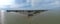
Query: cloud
39,4
49,4
4,3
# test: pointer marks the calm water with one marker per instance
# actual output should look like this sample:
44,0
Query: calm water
49,17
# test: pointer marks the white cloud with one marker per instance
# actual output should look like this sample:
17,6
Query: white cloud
43,4
5,2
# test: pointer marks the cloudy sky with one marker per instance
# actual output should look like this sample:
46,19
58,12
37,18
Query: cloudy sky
40,4
48,3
